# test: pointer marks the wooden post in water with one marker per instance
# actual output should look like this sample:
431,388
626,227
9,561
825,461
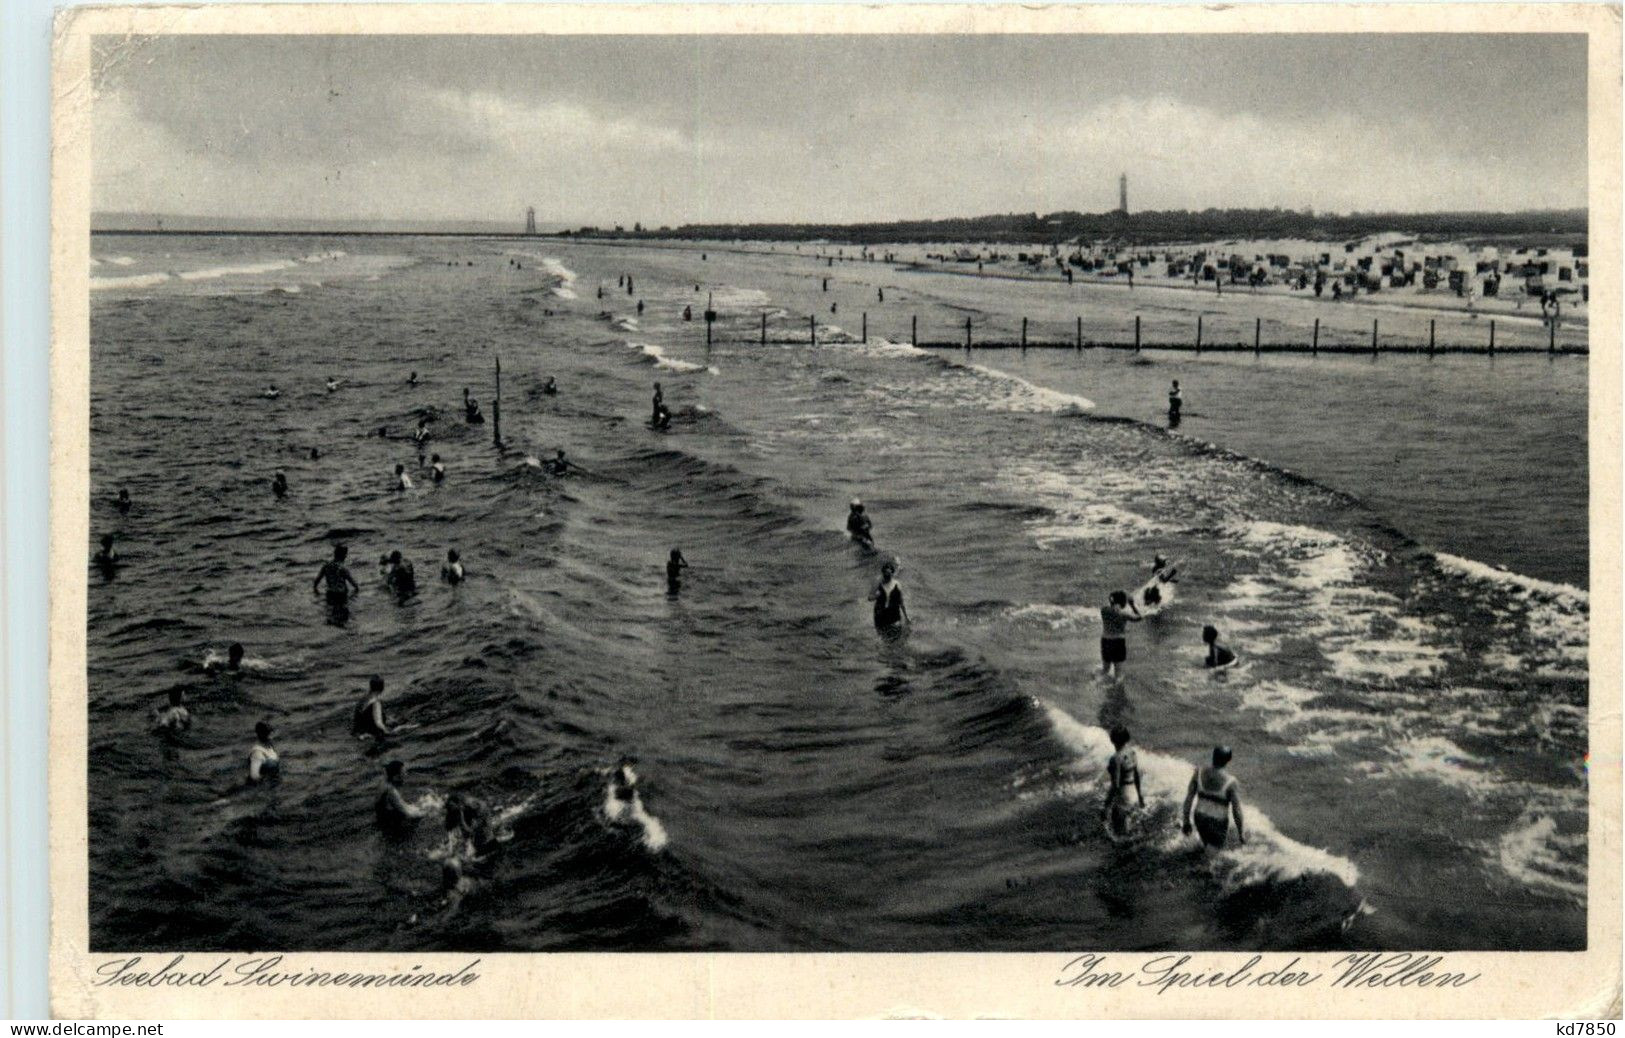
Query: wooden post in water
866,326
1314,345
1373,336
1551,342
1432,330
1198,333
967,335
1492,337
764,327
914,330
1258,327
1079,346
1136,333
1023,333
496,409
812,329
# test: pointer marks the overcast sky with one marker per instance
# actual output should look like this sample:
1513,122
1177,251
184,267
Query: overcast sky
669,130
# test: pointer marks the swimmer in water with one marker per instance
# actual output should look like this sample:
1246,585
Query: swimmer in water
233,664
368,720
557,465
452,571
340,584
675,565
437,469
315,454
551,386
279,484
890,612
662,417
174,718
471,409
1175,400
395,814
107,558
123,502
654,405
1217,655
263,763
1161,573
401,578
402,480
421,433
333,384
858,525
474,824
640,307
1115,616
412,379
1123,771
624,781
1217,796
271,393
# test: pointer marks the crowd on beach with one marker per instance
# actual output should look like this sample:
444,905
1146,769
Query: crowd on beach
473,829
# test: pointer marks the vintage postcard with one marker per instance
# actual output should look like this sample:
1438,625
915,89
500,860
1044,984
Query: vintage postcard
1085,511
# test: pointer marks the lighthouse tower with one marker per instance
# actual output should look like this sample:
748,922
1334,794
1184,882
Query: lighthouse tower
1122,194
530,219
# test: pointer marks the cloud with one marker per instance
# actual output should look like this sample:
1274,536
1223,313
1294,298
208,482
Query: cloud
607,131
522,126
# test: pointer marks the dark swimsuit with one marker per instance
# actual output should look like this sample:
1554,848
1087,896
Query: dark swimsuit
889,608
1213,830
338,591
858,526
361,722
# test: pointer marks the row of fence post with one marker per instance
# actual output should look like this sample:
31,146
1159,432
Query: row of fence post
1258,333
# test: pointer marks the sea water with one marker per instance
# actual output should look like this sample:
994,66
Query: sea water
1408,720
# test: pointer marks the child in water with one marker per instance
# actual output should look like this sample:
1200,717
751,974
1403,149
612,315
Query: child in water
173,719
1217,655
452,571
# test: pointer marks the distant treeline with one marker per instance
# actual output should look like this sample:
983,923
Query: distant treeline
1143,227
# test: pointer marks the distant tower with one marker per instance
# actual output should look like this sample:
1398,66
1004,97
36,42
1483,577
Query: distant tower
1122,194
530,219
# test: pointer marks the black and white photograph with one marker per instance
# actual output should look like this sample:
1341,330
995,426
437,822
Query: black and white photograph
870,492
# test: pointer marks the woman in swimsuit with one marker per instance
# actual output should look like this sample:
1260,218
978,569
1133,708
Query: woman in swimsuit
263,763
1123,770
890,613
1217,796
